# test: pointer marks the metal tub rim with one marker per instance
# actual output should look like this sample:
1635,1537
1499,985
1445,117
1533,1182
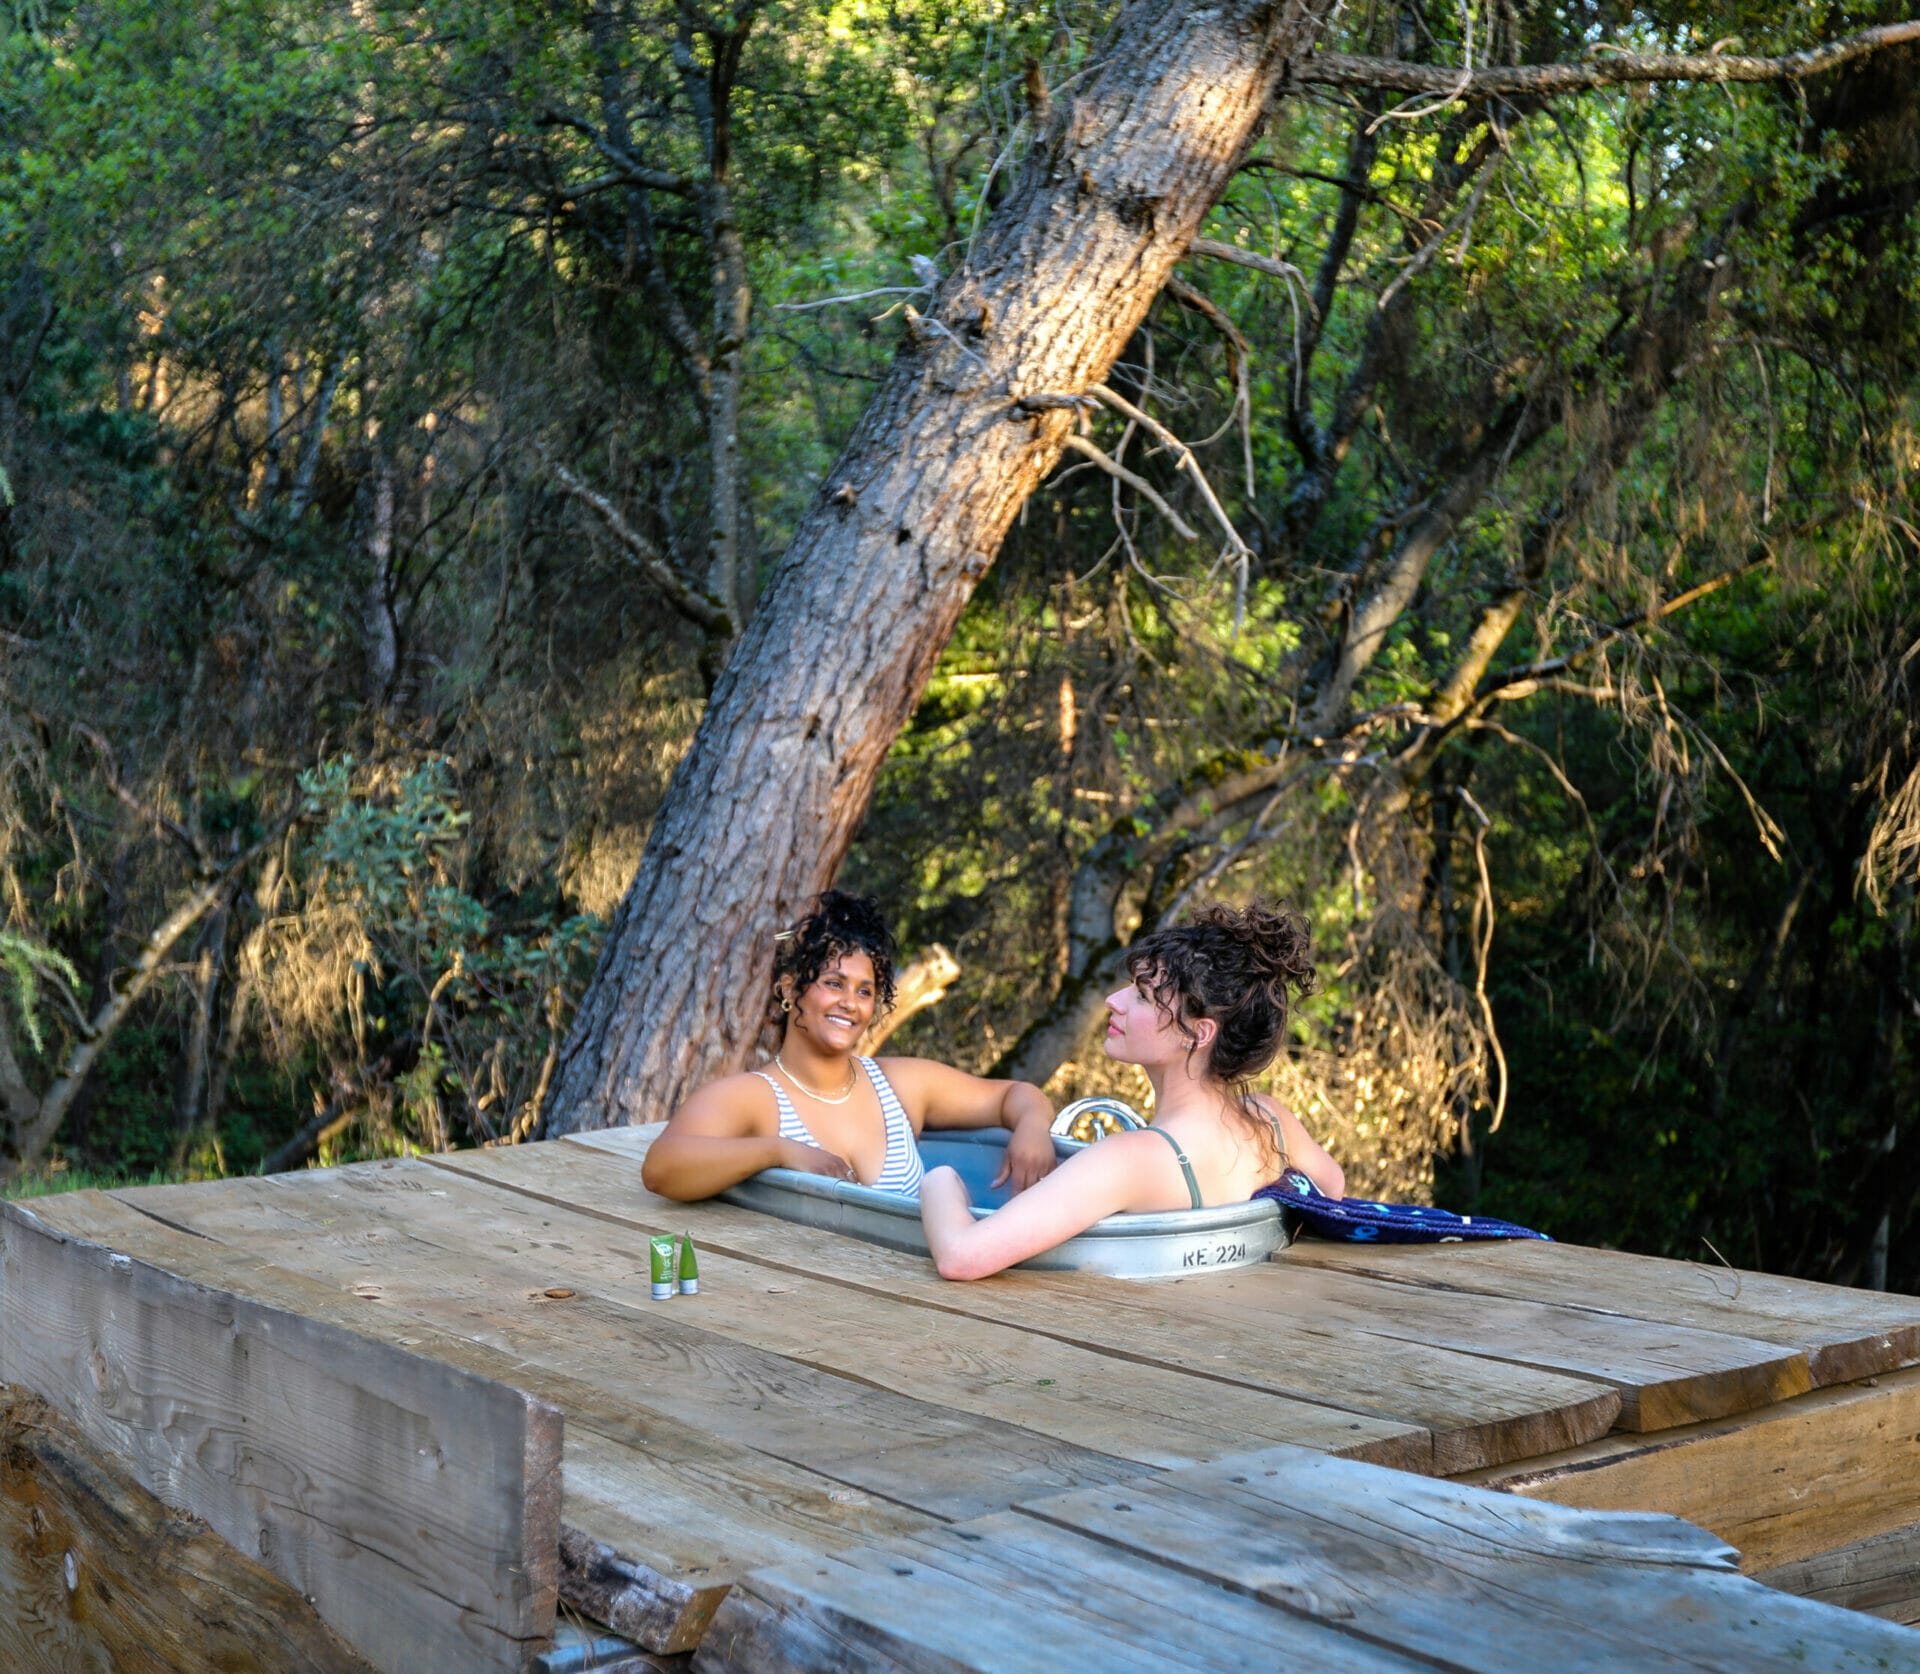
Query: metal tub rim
1169,1243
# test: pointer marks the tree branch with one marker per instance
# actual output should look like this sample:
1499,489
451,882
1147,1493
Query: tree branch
922,982
1183,458
702,609
1138,483
22,1144
1270,265
1606,67
630,168
163,824
1519,682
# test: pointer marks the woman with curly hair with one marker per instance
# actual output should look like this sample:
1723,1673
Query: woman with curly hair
819,1107
1206,1012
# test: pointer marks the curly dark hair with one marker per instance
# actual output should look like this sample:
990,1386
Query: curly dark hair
837,924
1243,967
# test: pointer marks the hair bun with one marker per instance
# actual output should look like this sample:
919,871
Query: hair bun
853,919
1276,941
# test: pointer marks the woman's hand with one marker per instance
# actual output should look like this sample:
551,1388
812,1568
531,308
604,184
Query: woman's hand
1030,1154
803,1158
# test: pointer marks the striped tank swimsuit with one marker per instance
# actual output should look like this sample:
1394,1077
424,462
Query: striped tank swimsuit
902,1171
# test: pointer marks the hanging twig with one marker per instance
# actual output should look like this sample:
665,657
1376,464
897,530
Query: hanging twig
1483,946
1183,457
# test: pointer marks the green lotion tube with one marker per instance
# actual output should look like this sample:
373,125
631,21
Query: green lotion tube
660,1249
689,1267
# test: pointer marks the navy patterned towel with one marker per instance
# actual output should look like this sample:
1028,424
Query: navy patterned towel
1358,1221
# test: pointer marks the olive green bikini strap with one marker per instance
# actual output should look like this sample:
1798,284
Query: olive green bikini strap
1279,1139
1186,1168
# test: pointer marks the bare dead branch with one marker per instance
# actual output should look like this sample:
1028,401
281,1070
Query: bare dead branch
1239,358
1520,682
1483,911
922,982
163,824
1138,483
1609,68
702,609
24,1143
1183,458
1270,265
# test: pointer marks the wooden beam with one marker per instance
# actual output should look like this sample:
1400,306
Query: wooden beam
1880,1574
417,1505
658,1518
1811,1475
96,1573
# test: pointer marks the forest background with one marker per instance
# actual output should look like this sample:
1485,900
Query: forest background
1498,538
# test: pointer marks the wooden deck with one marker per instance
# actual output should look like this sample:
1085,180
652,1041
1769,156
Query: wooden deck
372,1379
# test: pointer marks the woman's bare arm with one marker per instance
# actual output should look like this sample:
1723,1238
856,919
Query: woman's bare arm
725,1132
1305,1154
1122,1172
937,1096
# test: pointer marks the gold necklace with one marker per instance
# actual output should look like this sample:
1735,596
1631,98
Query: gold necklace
841,1097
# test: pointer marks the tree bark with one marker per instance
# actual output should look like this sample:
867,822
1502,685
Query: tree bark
19,1103
376,600
764,806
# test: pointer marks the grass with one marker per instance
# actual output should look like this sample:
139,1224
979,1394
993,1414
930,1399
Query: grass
59,1178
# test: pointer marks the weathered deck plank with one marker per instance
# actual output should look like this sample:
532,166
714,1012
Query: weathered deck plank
853,1461
1285,1559
280,1430
1023,1599
1805,1477
1666,1374
1060,1572
467,1259
1130,1407
1141,1413
1480,1411
1845,1334
1465,1578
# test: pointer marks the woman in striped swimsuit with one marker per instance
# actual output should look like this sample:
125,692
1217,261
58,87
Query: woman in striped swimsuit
1206,1011
816,1105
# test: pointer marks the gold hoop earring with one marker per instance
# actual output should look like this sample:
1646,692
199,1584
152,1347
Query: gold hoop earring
786,1004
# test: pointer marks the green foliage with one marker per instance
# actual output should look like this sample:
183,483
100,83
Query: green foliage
425,971
27,965
257,261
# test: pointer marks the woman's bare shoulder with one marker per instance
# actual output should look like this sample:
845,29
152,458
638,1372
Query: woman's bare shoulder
742,1094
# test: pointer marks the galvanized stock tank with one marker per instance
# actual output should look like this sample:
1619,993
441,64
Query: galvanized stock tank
1175,1244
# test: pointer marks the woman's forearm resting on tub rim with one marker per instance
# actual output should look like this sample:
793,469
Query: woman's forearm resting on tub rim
690,1166
1084,1189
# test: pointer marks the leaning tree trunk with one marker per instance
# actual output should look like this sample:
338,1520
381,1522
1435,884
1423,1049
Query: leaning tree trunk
971,419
